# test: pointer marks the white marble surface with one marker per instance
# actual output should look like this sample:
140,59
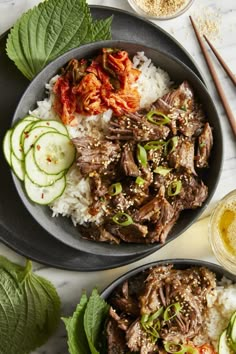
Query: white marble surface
70,284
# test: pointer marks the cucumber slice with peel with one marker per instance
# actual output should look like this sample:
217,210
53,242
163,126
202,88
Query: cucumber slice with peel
223,347
7,146
18,167
25,132
17,130
36,175
33,135
45,178
44,195
30,118
231,332
54,152
52,124
230,325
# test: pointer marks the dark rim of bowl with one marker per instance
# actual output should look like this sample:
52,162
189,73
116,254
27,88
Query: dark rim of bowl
179,263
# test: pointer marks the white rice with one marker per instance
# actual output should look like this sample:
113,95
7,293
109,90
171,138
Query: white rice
221,305
76,199
153,82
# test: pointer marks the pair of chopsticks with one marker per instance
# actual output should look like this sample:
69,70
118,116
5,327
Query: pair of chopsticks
215,78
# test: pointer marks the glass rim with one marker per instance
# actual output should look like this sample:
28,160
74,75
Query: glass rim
224,257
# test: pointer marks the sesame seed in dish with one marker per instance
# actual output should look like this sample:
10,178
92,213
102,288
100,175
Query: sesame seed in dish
160,9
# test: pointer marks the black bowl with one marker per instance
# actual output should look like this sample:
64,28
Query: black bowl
61,227
178,264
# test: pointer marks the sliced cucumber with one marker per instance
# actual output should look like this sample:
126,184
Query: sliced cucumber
33,135
16,138
44,195
43,166
52,124
7,146
36,175
25,132
54,152
18,167
231,321
30,118
232,332
223,347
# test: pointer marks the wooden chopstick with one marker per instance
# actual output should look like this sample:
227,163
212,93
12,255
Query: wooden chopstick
221,60
215,78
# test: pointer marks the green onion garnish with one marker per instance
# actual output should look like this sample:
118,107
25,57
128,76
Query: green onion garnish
190,350
152,332
141,155
161,170
144,318
154,145
202,144
122,219
155,315
161,118
171,145
183,108
115,188
151,324
175,348
140,181
174,188
151,327
171,311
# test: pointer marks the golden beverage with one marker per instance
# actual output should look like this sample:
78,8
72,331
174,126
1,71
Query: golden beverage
227,226
222,232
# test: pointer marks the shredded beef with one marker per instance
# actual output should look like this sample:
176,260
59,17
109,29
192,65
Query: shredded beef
156,290
147,169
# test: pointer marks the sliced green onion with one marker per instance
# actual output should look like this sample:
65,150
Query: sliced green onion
202,144
151,324
154,145
122,219
175,348
152,331
140,181
183,108
144,318
148,319
115,188
174,188
171,311
141,155
161,170
190,350
161,118
157,325
171,145
156,314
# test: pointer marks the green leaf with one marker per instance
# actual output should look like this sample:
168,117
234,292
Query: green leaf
95,314
29,308
102,29
77,341
51,29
